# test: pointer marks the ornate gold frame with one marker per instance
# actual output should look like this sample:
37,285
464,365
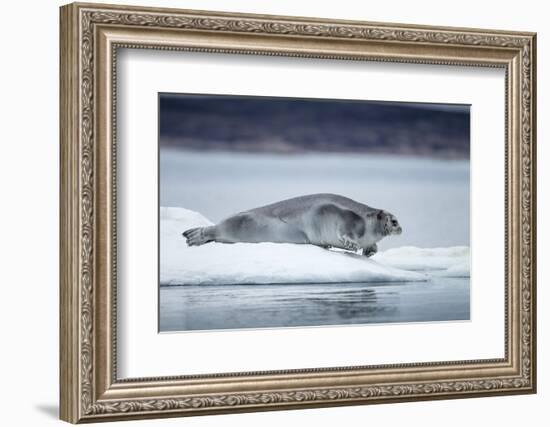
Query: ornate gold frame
90,36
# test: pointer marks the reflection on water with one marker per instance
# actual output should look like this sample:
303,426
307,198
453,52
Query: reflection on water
186,308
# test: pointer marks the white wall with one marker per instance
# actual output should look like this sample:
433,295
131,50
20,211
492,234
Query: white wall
29,214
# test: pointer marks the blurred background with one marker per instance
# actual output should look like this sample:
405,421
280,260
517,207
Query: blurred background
283,125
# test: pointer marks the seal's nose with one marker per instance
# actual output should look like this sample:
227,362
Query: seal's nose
399,230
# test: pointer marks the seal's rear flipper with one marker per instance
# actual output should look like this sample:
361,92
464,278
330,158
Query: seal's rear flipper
198,236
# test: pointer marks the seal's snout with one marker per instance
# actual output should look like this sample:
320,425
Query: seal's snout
394,227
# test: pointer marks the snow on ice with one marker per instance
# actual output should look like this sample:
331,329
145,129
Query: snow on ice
263,263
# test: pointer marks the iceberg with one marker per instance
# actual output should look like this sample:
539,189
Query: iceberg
260,263
457,270
442,262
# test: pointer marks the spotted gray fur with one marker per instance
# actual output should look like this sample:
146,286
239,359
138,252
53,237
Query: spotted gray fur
325,220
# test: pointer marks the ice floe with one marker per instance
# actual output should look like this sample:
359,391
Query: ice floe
262,263
447,262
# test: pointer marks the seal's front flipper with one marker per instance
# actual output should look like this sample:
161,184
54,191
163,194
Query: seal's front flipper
370,250
346,242
198,236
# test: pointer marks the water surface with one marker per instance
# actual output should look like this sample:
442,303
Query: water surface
208,307
430,197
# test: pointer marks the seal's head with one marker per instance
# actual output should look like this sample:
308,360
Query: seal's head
388,223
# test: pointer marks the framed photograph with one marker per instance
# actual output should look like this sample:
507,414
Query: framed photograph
266,212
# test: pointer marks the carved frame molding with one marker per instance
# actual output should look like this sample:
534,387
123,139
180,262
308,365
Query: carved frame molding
90,36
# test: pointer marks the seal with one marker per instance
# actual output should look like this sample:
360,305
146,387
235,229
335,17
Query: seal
325,220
